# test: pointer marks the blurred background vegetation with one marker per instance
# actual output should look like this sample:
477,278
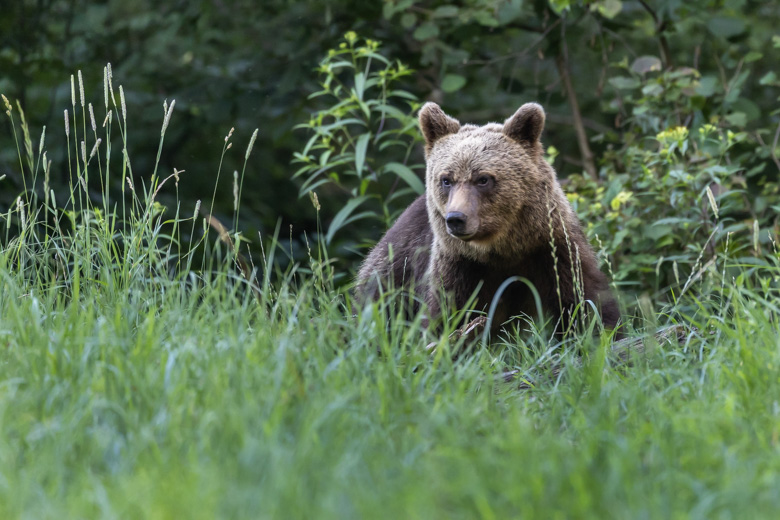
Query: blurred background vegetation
662,114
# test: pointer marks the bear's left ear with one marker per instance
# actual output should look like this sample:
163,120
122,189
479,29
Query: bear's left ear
526,125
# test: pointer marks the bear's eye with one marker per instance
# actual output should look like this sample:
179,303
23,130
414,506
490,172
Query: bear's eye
445,181
483,181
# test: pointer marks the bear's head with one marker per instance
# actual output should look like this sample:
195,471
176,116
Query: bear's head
487,187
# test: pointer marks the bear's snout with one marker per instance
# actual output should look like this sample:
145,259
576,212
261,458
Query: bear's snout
462,212
457,225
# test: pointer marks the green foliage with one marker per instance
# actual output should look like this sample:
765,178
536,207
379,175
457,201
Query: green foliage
240,64
67,242
683,184
174,400
134,383
683,176
248,65
363,140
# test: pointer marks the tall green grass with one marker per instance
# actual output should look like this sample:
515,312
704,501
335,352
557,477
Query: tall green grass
135,384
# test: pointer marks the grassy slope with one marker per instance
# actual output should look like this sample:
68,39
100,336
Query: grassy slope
196,403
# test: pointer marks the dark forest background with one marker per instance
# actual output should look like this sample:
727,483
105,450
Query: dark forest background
596,66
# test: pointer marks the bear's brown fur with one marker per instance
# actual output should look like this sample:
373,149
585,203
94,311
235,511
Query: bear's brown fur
492,209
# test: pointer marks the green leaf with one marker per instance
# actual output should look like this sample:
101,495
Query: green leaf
342,215
364,185
770,78
360,153
707,86
509,11
748,107
486,18
403,94
313,186
407,175
653,90
753,56
360,85
390,8
408,20
426,31
453,82
737,118
624,83
559,5
725,27
645,64
445,11
608,8
341,123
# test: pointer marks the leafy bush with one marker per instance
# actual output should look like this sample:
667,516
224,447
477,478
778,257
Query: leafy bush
682,185
362,142
681,181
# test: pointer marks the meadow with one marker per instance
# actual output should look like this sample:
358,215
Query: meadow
148,370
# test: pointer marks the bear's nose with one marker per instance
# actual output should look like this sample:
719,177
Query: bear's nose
456,223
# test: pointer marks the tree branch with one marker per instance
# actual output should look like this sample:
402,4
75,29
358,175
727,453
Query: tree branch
582,138
660,27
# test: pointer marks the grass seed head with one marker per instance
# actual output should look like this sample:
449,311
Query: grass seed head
110,83
713,204
81,89
72,91
92,118
235,190
315,201
105,86
8,106
67,125
124,106
43,139
20,208
46,172
755,236
251,144
167,117
95,148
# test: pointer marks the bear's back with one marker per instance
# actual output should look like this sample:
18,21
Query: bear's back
401,257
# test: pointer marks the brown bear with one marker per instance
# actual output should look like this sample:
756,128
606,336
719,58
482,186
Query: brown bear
492,211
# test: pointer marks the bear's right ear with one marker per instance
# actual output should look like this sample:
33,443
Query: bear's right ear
526,125
435,124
